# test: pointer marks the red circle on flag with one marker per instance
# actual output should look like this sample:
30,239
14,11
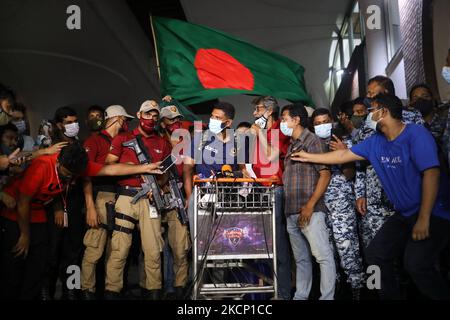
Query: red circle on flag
217,69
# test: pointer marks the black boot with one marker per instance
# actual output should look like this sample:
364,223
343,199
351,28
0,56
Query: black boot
88,295
111,295
45,294
151,294
179,293
356,294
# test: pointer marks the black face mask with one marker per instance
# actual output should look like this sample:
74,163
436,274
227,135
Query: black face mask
424,106
95,124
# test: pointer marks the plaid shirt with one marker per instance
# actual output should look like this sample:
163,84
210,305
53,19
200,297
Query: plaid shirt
300,179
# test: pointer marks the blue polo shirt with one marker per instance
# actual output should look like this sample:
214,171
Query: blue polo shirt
211,154
399,165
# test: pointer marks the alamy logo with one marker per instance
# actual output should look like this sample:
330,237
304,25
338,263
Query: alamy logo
74,278
374,279
73,22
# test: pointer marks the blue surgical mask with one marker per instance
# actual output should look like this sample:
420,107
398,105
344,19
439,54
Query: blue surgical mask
323,130
446,73
20,125
72,129
285,129
215,126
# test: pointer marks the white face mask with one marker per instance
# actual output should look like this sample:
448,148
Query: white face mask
285,129
323,130
261,122
72,130
372,123
20,125
215,126
446,73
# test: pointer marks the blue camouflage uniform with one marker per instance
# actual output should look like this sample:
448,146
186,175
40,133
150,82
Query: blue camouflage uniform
342,221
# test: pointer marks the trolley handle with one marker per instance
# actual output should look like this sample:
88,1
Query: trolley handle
196,180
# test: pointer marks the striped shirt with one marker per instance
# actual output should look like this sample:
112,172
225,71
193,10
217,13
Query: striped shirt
300,179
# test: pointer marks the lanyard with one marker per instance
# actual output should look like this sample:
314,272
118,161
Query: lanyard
64,198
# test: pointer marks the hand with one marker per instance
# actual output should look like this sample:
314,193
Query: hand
92,218
167,98
421,229
22,246
255,129
361,205
306,213
9,201
301,156
55,148
337,144
12,159
59,218
153,168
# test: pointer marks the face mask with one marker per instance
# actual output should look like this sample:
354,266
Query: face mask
446,73
72,130
147,125
285,129
323,130
368,102
261,122
372,124
216,126
424,106
43,141
357,121
95,124
172,127
20,125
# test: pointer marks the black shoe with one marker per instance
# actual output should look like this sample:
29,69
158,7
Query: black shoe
179,293
170,296
356,294
88,295
69,294
45,295
111,295
151,294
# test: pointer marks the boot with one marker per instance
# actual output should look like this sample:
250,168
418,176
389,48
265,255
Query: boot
88,295
356,294
111,295
154,294
179,293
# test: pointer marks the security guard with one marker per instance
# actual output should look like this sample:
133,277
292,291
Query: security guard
97,147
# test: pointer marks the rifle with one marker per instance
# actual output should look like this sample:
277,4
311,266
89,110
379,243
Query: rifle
150,183
162,203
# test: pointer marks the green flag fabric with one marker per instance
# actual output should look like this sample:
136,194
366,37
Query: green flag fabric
199,64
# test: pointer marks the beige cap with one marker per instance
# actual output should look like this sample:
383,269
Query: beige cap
116,111
149,105
170,112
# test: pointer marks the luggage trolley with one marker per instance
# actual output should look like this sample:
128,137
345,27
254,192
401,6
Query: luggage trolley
234,225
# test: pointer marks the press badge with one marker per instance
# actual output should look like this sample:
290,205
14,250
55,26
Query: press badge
153,212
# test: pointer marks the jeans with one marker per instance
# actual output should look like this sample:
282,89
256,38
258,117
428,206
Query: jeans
282,246
312,240
420,257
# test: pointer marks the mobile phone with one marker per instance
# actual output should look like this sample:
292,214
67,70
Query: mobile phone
167,163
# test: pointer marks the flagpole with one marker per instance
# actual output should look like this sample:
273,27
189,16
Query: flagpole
156,48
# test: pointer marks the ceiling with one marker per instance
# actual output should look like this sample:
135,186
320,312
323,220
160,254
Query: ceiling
111,59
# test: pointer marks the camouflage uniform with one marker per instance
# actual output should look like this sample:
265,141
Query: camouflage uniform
342,221
367,185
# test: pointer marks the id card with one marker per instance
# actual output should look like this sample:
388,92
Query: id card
66,220
153,212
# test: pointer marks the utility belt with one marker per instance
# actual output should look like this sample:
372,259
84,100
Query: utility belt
128,191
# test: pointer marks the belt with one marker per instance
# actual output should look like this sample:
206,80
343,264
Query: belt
105,188
128,191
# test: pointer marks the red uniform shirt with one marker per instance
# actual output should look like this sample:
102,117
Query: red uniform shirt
157,147
261,165
40,181
97,147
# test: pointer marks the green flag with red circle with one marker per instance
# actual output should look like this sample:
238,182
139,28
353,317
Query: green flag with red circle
199,64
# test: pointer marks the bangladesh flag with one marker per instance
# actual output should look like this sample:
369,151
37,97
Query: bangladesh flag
199,64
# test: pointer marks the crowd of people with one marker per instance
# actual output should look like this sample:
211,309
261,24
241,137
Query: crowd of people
367,186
